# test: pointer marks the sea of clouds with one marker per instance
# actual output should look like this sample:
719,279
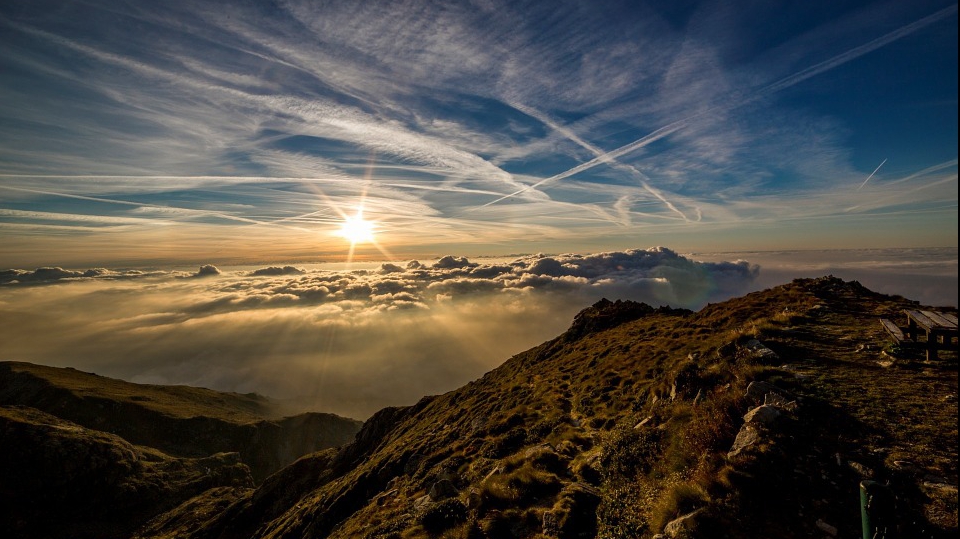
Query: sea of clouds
349,342
353,341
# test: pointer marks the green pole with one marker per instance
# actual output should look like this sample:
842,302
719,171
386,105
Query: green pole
876,510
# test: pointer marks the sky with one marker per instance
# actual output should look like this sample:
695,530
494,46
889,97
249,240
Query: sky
147,133
350,204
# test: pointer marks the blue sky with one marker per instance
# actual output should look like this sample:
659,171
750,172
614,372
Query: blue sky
245,131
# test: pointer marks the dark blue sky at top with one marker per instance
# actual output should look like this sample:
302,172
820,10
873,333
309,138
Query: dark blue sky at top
559,117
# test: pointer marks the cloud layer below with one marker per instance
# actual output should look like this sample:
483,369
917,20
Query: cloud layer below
350,342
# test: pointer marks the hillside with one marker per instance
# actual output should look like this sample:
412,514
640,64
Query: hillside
755,417
632,424
181,421
58,479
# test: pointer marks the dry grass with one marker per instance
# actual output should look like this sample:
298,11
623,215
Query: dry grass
553,433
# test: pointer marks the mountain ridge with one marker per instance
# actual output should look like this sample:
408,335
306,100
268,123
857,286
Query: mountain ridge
639,421
181,421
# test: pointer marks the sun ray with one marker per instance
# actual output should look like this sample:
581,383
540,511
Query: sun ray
356,229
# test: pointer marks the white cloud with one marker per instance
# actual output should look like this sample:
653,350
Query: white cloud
354,341
347,342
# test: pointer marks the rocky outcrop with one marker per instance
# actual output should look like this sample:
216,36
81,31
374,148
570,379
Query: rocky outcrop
760,420
605,314
759,352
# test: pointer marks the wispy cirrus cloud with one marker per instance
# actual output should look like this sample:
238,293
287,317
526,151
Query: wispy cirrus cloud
585,122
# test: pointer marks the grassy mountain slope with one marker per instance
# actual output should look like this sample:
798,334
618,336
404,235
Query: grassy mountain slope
178,420
59,479
623,427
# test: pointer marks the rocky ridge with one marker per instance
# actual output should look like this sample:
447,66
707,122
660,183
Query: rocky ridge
755,417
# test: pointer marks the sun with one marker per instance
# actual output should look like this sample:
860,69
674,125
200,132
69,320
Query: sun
356,229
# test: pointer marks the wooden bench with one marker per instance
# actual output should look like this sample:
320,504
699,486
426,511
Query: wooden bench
894,331
940,330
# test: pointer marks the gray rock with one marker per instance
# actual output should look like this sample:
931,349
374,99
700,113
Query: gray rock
748,436
413,464
775,399
759,351
442,489
757,391
675,528
930,478
421,504
863,471
473,499
762,415
828,529
905,466
945,488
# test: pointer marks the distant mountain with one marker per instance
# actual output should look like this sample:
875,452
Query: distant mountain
181,421
59,479
756,417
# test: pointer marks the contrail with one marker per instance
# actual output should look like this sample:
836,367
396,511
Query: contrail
209,213
598,152
602,158
777,86
871,175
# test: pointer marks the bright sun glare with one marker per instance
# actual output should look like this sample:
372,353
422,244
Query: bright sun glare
356,229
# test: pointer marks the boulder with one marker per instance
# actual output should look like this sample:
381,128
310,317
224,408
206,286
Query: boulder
442,490
781,402
758,350
677,527
757,391
764,415
748,436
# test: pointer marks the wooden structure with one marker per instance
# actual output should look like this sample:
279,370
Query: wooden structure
938,330
895,332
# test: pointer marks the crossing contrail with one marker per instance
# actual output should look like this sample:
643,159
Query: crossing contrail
871,175
782,84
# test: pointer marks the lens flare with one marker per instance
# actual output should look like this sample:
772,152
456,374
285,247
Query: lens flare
356,229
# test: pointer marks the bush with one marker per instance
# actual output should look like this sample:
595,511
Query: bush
443,515
505,445
714,425
627,452
621,515
680,499
576,511
519,488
